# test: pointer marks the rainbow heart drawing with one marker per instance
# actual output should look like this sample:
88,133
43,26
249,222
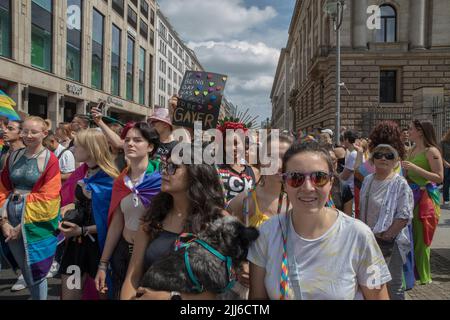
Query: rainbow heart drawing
200,87
205,93
211,84
210,107
213,98
224,78
211,90
219,88
196,92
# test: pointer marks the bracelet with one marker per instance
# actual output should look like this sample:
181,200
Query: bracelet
103,265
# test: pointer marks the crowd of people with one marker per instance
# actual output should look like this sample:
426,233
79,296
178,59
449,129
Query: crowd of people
353,220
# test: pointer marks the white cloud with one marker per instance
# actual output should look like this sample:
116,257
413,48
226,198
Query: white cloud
201,20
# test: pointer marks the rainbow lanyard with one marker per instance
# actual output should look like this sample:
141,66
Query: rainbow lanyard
330,202
284,283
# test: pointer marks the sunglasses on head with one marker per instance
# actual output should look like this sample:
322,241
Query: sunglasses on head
169,167
297,179
387,155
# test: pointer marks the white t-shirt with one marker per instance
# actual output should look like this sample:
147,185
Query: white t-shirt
67,160
350,160
327,268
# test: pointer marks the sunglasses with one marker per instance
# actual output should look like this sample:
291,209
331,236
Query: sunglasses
387,156
170,168
297,179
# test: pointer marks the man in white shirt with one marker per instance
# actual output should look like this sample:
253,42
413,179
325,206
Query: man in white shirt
65,156
347,175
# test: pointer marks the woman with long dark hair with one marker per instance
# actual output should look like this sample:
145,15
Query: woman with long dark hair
191,197
424,170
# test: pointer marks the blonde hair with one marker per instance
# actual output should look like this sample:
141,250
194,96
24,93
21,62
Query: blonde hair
95,143
38,119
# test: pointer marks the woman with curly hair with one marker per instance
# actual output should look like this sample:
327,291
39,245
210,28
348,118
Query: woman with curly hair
385,132
184,205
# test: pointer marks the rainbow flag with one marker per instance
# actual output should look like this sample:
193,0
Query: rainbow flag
6,107
40,216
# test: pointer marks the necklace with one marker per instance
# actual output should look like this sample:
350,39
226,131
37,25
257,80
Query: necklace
35,155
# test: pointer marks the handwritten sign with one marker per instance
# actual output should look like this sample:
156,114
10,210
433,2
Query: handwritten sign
200,97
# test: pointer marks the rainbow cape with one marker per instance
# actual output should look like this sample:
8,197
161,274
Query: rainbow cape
6,107
150,186
40,216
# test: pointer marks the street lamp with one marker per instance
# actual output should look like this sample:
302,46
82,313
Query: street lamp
335,9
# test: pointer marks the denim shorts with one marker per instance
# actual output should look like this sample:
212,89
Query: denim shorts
15,209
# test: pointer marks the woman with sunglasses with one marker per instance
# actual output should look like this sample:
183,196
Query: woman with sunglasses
132,194
312,251
191,197
258,205
386,206
424,170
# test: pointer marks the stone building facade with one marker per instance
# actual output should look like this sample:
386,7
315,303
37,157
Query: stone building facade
60,57
173,58
397,72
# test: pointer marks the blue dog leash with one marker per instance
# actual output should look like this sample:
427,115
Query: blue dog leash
197,286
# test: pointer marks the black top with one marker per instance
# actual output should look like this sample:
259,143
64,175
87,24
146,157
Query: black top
84,203
341,194
159,247
164,149
446,150
235,182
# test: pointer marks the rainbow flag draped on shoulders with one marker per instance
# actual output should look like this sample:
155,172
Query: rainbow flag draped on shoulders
40,216
145,191
6,107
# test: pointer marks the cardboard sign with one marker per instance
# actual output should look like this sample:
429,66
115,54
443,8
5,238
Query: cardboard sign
200,97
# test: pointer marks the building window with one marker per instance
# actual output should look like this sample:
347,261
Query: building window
152,37
132,18
169,89
163,47
162,66
130,69
142,54
134,2
143,27
115,60
388,86
97,50
150,89
152,17
144,8
388,31
5,28
169,73
73,55
41,34
118,6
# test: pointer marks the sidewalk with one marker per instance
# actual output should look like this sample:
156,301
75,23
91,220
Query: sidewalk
439,289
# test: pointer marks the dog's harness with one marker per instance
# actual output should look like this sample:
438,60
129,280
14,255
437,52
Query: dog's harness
186,244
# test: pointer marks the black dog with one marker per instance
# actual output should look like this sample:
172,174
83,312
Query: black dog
226,235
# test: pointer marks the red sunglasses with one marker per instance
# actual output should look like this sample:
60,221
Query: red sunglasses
297,179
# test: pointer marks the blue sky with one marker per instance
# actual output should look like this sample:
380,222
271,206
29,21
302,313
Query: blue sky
241,38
